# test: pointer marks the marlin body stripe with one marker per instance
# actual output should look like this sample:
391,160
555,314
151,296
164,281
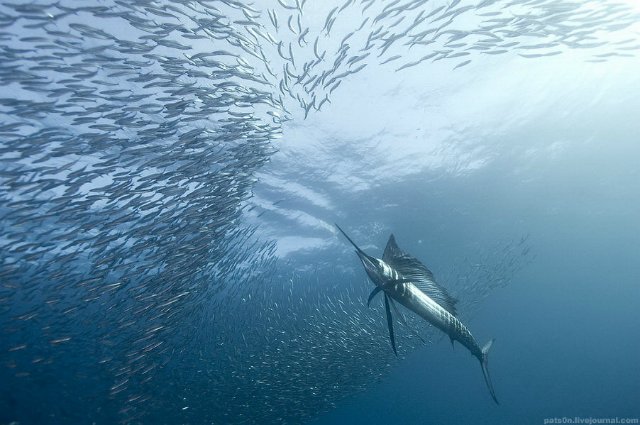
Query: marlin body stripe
417,301
404,279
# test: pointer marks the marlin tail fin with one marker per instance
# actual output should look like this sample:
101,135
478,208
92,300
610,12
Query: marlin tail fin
485,369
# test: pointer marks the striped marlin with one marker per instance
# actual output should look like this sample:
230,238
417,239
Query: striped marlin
406,280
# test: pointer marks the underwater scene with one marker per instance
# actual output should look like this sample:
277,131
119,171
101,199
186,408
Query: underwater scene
319,212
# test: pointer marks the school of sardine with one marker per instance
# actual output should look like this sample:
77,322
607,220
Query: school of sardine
130,136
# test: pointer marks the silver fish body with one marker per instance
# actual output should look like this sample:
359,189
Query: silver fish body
404,279
417,301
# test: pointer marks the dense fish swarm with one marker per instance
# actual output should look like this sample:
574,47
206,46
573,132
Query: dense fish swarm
130,134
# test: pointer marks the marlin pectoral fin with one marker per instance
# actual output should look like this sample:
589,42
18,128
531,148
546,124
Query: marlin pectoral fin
451,339
390,324
399,314
373,294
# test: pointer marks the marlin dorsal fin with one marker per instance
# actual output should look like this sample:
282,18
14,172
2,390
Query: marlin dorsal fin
418,274
392,250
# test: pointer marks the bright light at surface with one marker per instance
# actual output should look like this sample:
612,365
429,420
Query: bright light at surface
634,3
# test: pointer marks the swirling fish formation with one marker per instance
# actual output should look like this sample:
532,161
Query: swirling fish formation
130,134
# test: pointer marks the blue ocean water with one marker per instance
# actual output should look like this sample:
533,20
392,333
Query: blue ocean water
171,172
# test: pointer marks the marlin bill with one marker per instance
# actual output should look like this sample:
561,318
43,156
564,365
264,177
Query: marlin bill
404,279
